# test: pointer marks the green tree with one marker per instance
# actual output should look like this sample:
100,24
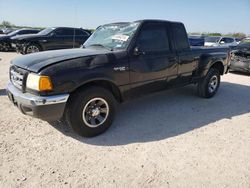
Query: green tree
194,33
214,34
239,35
6,24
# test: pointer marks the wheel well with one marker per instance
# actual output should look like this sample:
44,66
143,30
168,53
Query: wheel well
36,43
105,84
219,66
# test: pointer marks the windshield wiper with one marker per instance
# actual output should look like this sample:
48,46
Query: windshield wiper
100,45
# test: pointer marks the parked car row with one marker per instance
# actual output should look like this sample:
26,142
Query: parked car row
220,41
6,40
27,41
212,41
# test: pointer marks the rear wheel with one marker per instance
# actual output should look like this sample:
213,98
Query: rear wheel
32,48
209,85
91,112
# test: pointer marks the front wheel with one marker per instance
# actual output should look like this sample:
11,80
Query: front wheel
32,48
209,85
90,112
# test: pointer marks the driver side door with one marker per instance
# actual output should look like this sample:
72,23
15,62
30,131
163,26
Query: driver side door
153,61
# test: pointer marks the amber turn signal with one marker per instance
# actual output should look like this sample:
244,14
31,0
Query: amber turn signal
45,84
39,82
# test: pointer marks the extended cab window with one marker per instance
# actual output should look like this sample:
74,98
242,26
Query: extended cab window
64,32
153,37
180,36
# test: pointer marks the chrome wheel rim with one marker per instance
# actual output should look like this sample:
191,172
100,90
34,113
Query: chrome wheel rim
213,83
32,49
95,112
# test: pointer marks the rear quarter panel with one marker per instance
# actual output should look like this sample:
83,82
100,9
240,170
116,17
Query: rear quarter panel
208,56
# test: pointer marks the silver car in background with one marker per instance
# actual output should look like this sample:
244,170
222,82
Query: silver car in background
220,41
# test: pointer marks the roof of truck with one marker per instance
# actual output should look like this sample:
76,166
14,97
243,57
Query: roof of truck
144,20
156,20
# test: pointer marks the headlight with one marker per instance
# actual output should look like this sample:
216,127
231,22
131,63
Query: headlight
39,83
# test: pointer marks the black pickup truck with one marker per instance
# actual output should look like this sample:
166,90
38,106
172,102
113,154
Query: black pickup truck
52,38
118,62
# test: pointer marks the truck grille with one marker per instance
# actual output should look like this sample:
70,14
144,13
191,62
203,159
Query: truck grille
17,77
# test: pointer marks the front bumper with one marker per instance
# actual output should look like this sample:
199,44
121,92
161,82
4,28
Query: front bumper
48,108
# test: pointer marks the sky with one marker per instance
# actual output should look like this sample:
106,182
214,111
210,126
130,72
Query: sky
224,16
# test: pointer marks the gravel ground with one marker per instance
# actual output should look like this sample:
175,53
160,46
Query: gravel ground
169,139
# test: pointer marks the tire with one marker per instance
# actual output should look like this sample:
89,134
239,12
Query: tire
5,47
210,84
32,48
81,114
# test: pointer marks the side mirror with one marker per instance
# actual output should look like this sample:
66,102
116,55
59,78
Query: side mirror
222,42
138,52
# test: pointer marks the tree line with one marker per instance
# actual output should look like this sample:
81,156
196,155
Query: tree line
6,24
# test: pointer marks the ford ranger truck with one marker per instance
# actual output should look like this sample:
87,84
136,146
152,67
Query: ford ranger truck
118,62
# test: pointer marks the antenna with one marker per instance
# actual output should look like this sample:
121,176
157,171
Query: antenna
74,38
74,35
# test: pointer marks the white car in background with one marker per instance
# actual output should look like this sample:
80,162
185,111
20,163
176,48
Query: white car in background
220,41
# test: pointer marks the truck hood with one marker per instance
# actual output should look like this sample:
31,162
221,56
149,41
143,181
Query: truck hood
37,61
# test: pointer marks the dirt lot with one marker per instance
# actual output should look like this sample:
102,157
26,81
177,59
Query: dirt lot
170,139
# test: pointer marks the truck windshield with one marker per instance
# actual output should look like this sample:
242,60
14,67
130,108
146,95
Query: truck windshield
212,39
113,36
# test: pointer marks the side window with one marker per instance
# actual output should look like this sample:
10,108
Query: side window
228,40
222,41
153,37
22,32
180,36
64,32
80,32
32,31
26,32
